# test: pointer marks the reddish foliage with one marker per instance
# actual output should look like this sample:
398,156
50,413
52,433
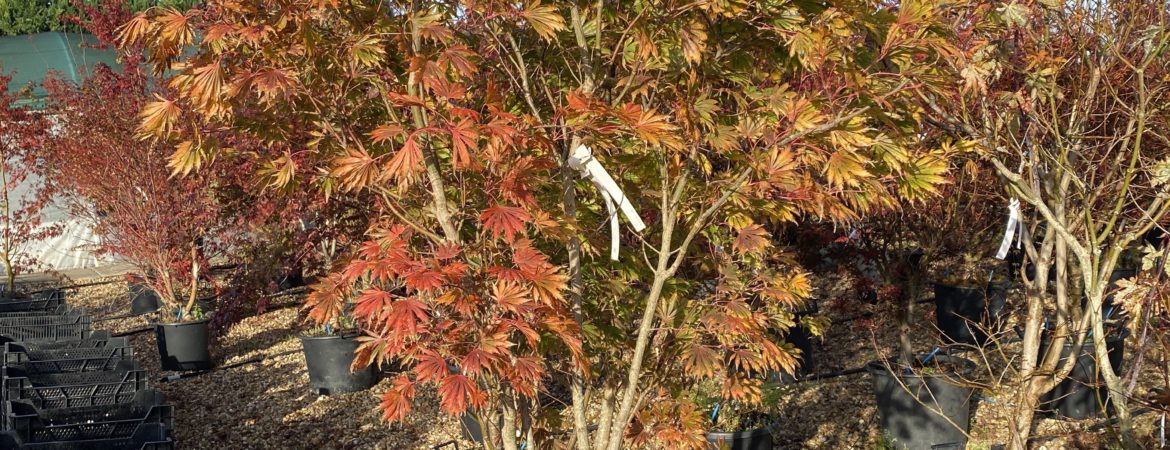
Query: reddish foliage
142,213
23,192
122,184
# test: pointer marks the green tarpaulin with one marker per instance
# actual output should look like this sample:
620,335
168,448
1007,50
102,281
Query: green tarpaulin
30,57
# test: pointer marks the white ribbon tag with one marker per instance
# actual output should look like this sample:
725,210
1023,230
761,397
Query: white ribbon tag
1020,233
583,161
1012,225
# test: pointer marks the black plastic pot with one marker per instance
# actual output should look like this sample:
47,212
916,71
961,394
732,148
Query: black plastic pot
1109,309
909,419
471,431
801,338
329,359
757,439
292,278
183,345
143,299
1083,393
965,314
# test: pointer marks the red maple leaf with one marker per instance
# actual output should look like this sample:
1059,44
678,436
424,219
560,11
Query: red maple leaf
476,361
396,402
510,296
456,392
386,132
371,303
405,163
405,315
431,367
463,139
424,280
507,221
447,250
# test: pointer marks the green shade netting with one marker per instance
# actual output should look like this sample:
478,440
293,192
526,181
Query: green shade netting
29,58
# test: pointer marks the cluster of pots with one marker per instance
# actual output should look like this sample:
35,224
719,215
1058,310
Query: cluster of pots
183,346
932,409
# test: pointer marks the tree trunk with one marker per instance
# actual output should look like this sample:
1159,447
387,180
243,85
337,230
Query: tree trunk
1027,399
10,280
905,347
508,431
194,283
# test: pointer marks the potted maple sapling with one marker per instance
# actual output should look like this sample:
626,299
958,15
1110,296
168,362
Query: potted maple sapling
941,239
971,301
736,424
733,360
923,397
330,350
170,227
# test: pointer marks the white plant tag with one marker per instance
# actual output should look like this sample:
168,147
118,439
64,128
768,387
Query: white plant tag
583,161
1012,225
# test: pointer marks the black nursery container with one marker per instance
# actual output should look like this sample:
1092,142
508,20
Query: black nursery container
801,338
1083,393
965,314
329,359
143,299
183,345
909,419
757,439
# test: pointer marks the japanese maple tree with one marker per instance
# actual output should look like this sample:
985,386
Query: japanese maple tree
1063,99
467,120
24,194
169,227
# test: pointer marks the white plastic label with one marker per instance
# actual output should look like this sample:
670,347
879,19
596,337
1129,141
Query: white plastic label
1012,225
583,161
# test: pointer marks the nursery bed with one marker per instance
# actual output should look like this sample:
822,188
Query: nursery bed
267,405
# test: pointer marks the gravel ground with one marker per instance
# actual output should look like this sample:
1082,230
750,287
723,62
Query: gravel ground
267,405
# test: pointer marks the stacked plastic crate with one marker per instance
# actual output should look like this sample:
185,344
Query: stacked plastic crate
64,386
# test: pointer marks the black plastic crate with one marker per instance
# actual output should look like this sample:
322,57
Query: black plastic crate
70,315
61,328
66,360
148,436
62,366
41,301
97,339
117,387
59,310
115,374
120,420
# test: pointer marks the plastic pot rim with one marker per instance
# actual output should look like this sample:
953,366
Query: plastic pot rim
181,324
752,433
877,368
304,337
983,287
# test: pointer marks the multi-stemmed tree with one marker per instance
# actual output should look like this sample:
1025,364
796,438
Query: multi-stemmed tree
1065,99
473,123
121,184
